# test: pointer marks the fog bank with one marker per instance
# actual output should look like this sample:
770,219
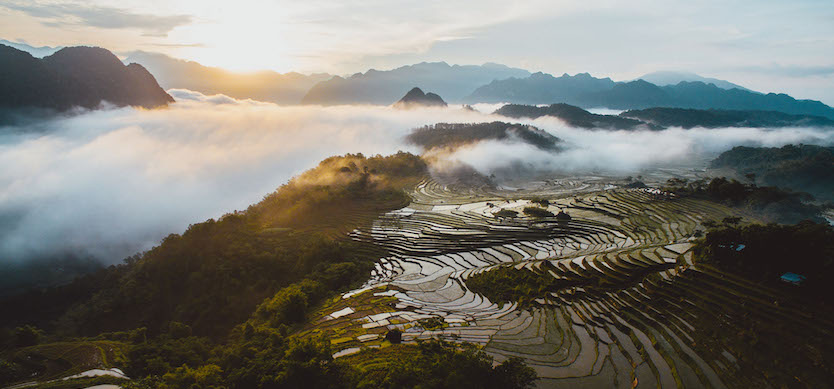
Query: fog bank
110,183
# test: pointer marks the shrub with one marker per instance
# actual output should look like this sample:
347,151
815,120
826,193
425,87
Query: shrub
537,212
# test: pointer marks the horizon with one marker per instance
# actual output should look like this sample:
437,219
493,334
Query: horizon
775,47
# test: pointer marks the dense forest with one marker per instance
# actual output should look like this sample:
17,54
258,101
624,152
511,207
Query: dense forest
453,135
804,168
214,274
762,253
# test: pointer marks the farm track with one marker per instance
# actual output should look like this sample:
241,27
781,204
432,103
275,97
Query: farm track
642,324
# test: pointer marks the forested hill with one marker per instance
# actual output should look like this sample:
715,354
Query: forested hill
75,77
805,168
213,275
453,135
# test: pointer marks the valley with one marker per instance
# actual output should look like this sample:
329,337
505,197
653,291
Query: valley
636,307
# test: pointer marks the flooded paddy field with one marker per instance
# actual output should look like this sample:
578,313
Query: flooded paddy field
636,308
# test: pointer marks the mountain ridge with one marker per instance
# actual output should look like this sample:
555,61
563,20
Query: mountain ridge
265,85
667,77
387,86
586,91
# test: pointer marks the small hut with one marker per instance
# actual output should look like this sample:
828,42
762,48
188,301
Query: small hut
793,278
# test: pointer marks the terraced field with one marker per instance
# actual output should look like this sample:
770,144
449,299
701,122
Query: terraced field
637,310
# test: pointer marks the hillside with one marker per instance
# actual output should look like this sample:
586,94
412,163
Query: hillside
804,168
385,87
287,88
231,302
75,77
215,273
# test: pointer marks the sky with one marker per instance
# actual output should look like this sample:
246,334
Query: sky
769,46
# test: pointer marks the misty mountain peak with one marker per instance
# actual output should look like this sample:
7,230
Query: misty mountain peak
416,97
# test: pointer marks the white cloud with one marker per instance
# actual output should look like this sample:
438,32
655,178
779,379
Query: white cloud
110,183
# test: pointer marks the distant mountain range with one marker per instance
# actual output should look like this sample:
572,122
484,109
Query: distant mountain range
384,87
74,77
488,83
287,88
540,88
586,91
660,118
416,98
663,78
38,52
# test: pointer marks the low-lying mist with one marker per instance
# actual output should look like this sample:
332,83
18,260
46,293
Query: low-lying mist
626,152
107,184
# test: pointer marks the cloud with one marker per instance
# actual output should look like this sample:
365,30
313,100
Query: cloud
189,95
64,14
110,183
627,152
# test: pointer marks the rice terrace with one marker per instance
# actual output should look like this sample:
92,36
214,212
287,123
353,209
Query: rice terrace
619,296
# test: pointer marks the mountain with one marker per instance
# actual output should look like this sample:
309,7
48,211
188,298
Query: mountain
588,92
539,88
663,78
385,87
715,118
416,98
573,116
75,77
453,135
38,52
287,88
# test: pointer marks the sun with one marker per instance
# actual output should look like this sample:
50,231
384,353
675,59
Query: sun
242,43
